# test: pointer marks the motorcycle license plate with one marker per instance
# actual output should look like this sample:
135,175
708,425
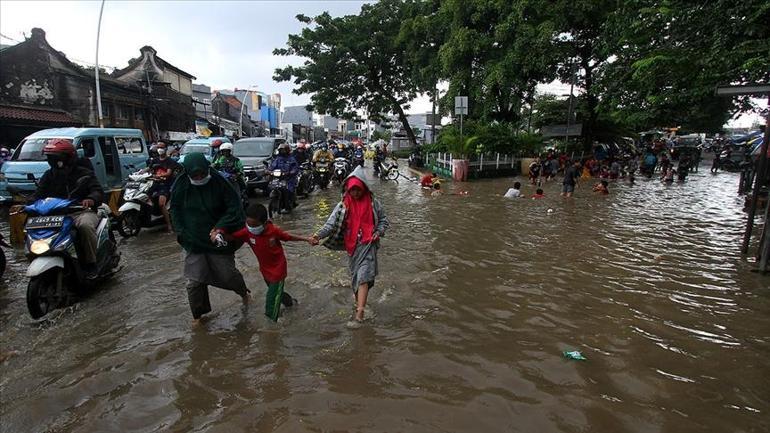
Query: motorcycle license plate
134,185
45,222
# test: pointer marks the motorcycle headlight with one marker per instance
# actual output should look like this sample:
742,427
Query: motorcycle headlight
40,246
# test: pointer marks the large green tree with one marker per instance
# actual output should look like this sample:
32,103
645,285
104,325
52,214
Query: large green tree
672,54
354,63
495,53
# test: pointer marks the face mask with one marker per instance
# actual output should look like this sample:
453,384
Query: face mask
200,182
256,231
161,152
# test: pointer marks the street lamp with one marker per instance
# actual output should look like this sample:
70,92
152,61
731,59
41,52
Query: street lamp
243,102
96,69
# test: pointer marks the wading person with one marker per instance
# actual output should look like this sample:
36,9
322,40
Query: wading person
204,205
265,238
571,175
356,225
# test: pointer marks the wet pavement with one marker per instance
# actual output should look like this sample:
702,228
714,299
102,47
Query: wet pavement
478,297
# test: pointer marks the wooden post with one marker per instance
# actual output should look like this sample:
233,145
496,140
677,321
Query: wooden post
764,243
16,220
759,178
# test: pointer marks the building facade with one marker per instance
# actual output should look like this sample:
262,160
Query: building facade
40,88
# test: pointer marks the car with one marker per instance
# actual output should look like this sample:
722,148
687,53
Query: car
201,145
113,153
253,152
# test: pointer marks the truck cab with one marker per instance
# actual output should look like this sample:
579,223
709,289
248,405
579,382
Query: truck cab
114,153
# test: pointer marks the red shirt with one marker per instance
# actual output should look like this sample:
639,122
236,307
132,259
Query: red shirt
426,180
267,247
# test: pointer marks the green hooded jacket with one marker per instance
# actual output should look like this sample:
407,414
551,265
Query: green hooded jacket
195,210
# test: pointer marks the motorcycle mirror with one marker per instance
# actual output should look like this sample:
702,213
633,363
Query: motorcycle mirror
265,163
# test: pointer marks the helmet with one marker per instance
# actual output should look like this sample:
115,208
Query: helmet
216,143
226,146
60,146
5,150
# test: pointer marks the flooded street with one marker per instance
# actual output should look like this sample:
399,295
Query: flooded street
477,298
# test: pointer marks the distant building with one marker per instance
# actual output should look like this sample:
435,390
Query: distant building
231,116
298,115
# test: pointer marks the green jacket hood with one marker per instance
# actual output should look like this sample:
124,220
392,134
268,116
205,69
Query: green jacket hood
195,162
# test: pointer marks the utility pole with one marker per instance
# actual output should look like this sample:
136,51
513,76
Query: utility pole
96,69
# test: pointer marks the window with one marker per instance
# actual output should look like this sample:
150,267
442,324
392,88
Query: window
121,112
129,145
138,114
89,149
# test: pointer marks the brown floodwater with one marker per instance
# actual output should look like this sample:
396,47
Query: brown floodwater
477,299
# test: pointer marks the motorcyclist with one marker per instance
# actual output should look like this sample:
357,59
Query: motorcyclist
379,157
229,163
288,165
358,155
164,170
300,153
5,154
341,151
66,179
322,153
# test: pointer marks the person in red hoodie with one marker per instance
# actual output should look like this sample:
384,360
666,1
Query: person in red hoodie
265,238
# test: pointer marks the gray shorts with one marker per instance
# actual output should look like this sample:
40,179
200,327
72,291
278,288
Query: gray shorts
568,188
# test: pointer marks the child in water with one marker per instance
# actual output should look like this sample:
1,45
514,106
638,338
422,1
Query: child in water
538,194
602,187
265,238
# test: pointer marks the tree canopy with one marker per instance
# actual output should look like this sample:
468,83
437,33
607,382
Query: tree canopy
635,64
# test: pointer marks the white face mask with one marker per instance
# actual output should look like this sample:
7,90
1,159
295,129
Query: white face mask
200,182
256,231
161,151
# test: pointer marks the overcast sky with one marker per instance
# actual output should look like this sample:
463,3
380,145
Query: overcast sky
225,44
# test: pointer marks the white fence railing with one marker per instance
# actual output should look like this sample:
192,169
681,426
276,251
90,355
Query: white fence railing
484,161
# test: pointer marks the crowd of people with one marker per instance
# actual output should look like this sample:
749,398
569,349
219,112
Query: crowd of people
654,158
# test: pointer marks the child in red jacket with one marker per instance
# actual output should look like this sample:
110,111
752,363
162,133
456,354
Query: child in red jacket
265,238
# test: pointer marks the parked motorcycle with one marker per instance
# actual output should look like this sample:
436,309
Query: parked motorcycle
389,171
416,159
3,261
56,277
279,193
139,210
305,184
341,169
322,173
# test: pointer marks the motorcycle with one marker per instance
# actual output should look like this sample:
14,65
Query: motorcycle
389,171
139,209
2,255
415,159
341,169
306,183
56,277
239,188
322,174
279,193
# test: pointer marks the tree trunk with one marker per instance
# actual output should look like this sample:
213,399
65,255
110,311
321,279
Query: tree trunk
591,105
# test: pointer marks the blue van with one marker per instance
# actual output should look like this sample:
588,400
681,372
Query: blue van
114,154
201,145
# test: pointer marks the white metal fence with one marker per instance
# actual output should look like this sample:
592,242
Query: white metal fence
477,163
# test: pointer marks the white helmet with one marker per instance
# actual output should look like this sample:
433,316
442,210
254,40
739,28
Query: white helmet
226,146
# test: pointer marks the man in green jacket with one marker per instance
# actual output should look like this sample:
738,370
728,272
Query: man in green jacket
204,204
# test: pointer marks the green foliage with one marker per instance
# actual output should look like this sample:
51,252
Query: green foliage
378,135
353,63
480,137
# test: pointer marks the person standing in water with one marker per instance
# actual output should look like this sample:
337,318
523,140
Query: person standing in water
204,206
358,221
